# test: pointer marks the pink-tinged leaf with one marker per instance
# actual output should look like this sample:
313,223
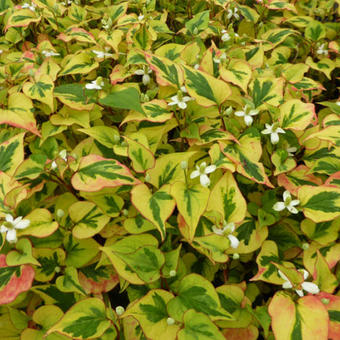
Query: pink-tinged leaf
119,74
292,180
332,304
21,18
100,281
282,311
96,172
334,180
14,280
78,34
313,318
249,333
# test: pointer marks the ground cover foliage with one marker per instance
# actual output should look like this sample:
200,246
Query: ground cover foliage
169,170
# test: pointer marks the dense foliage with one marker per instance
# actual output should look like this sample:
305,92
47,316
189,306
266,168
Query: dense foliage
170,169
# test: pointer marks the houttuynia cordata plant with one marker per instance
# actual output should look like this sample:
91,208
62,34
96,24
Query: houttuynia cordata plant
169,169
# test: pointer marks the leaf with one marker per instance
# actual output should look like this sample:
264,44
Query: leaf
198,326
81,63
41,90
96,172
315,30
14,280
198,23
11,154
79,252
88,219
74,96
320,203
167,169
23,254
41,224
323,232
266,92
86,319
78,34
69,282
151,313
156,207
296,115
19,113
142,158
206,89
123,98
49,260
304,320
227,199
238,73
191,203
22,18
136,258
196,292
105,135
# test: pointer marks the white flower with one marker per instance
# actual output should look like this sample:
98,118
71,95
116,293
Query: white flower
140,17
233,13
196,66
49,53
291,150
11,225
145,73
180,100
248,119
220,59
31,6
274,131
309,287
1,51
101,54
202,171
67,2
322,50
228,228
225,35
287,203
94,85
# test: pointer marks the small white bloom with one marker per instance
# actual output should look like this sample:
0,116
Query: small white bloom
233,13
337,103
184,165
287,203
47,53
140,17
145,73
225,35
120,310
274,131
291,150
63,155
309,287
220,59
228,228
67,2
94,85
180,102
196,66
1,51
11,225
248,119
170,321
202,171
101,54
31,6
54,165
322,50
172,273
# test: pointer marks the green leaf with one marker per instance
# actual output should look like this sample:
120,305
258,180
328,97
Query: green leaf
127,99
198,23
315,31
156,312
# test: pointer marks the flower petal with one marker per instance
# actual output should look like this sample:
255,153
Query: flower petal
279,206
287,285
140,72
11,236
22,224
294,202
209,169
299,292
217,231
240,113
182,105
253,112
304,273
310,287
194,174
279,130
146,79
286,195
274,138
234,242
248,120
292,209
283,276
9,218
205,181
3,229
